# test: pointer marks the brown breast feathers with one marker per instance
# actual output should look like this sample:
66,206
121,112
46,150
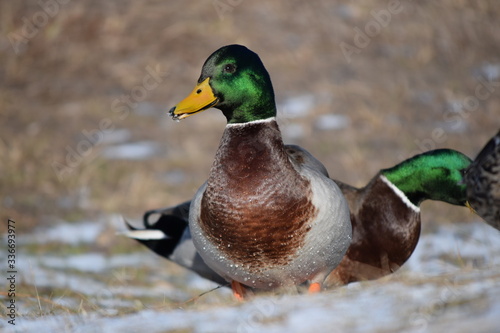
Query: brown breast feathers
256,207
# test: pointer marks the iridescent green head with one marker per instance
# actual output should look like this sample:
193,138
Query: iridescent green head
435,175
233,80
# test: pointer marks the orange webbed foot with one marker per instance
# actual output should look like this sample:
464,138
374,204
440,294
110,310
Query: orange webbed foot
239,291
314,288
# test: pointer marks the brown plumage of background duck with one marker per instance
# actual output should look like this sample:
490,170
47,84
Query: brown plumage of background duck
482,178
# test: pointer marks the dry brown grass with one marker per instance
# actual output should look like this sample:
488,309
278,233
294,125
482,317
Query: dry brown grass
396,90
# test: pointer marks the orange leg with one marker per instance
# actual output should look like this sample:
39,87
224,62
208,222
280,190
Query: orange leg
239,291
314,288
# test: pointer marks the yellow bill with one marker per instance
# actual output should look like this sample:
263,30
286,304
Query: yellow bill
201,98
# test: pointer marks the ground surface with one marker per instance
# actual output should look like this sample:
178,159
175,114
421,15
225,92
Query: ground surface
84,137
451,282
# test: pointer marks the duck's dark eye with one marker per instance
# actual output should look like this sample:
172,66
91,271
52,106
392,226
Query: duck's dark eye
229,68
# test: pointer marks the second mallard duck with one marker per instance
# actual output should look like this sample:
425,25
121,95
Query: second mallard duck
385,214
262,219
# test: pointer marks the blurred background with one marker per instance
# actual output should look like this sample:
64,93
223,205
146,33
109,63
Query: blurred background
363,85
85,136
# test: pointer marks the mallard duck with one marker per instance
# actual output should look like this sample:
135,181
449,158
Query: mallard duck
385,214
262,220
483,182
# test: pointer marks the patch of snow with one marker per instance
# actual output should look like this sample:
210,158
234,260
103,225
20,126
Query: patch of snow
491,71
116,136
41,277
68,233
328,122
89,262
451,247
297,106
132,151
